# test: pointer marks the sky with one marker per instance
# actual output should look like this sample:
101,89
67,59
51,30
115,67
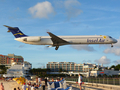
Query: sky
61,17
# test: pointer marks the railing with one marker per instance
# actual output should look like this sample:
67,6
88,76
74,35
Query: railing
112,81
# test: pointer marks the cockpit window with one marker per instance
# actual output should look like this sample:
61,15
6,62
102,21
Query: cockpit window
110,37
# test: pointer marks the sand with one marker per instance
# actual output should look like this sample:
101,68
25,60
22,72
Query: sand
10,85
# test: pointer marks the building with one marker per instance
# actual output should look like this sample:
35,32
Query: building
19,70
7,60
71,66
27,67
107,72
86,69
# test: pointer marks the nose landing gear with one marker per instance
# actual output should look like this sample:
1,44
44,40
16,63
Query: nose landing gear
56,48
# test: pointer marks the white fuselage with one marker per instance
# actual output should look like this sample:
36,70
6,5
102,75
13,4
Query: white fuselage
46,40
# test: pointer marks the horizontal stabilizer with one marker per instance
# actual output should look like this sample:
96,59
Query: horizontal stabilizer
15,31
9,27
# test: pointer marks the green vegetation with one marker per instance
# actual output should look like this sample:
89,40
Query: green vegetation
117,67
3,69
39,71
62,70
44,73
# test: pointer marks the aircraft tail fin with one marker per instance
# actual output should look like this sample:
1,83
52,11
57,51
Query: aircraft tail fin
15,31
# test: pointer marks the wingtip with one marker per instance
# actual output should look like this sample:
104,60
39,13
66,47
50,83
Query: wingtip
9,27
5,25
48,32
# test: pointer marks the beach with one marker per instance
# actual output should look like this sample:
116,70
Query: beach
10,85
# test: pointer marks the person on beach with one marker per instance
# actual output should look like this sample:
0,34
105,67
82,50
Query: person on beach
39,80
80,81
33,88
18,88
24,87
28,87
61,78
15,89
29,83
45,81
1,86
58,79
52,80
36,79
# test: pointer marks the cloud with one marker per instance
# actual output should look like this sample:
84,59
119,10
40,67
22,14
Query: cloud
118,43
88,61
39,65
72,8
83,47
115,50
42,10
116,62
45,9
103,60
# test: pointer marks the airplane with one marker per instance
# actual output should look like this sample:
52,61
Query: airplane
56,41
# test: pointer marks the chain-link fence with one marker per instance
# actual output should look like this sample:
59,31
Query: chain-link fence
112,81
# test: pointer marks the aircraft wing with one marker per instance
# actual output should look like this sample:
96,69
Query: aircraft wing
57,40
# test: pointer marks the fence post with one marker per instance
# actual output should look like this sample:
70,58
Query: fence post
96,82
103,80
119,81
99,80
96,79
107,80
93,80
113,81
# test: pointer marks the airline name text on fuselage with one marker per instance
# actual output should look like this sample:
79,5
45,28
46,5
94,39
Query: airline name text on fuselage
95,40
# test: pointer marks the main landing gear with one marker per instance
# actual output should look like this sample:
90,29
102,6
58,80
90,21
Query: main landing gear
111,45
56,48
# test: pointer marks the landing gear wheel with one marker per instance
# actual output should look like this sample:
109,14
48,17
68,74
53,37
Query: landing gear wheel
56,48
111,45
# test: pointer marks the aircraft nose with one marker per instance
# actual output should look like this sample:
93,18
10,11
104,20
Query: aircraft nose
115,41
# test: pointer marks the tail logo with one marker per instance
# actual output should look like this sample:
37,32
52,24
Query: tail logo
18,33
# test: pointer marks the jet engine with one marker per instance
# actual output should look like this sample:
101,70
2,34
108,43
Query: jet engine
31,39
